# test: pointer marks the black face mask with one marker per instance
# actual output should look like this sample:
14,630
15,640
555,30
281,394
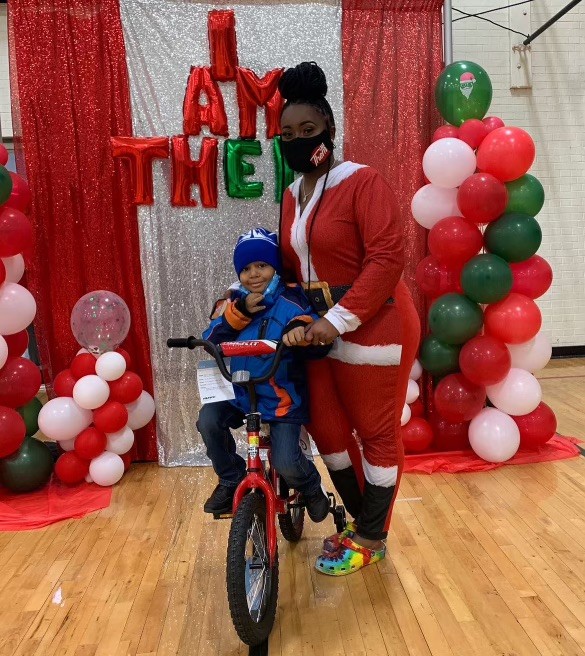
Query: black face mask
306,154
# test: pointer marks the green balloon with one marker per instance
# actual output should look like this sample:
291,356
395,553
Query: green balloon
514,237
5,185
30,414
280,167
525,195
455,319
438,358
29,468
486,279
463,91
236,169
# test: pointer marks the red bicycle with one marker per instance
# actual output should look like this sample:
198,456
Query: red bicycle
263,495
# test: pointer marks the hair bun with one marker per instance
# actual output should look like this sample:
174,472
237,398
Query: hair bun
306,81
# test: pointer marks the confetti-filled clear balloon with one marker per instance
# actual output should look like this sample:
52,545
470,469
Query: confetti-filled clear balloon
100,321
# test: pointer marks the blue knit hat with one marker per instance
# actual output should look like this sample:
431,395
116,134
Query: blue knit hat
258,245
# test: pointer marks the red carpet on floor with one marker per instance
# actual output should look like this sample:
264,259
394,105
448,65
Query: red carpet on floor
457,462
53,503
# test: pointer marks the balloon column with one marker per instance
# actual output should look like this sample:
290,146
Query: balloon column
100,401
482,276
26,463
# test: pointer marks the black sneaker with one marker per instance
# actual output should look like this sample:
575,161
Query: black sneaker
221,500
317,505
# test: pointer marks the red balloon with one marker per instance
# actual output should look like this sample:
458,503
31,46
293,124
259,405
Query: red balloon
127,459
17,343
455,240
64,383
127,388
16,232
71,469
533,277
82,365
223,49
254,92
186,172
417,408
457,399
506,153
536,428
20,197
111,417
493,123
90,443
514,320
196,114
126,357
12,431
444,132
473,132
417,435
3,155
436,279
482,198
449,436
2,272
20,380
485,360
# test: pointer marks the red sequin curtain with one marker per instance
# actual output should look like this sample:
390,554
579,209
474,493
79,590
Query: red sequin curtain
392,56
70,87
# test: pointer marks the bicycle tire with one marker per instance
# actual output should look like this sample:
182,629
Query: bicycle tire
253,624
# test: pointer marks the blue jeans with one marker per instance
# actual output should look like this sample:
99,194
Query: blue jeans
214,423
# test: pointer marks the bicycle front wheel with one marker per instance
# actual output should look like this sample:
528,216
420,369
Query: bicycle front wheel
252,584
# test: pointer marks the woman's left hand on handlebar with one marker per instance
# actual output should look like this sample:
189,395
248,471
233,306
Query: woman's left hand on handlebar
321,332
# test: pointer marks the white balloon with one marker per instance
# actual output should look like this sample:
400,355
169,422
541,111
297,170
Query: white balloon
14,268
62,419
67,445
3,351
493,435
141,411
107,469
91,392
430,204
447,162
518,394
110,366
120,442
17,308
533,355
416,371
406,415
412,391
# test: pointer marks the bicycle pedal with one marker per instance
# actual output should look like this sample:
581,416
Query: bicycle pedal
223,516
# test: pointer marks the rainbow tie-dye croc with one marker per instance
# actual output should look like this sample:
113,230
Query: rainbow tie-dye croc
348,559
333,542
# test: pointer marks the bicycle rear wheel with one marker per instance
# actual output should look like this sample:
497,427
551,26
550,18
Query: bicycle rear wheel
252,584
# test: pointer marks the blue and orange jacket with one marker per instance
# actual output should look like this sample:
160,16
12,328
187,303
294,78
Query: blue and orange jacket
285,397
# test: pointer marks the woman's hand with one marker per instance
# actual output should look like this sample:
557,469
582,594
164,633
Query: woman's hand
295,337
321,332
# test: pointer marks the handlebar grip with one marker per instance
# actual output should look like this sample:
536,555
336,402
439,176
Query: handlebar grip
178,342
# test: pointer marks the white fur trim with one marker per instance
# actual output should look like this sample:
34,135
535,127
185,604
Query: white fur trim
383,356
381,476
337,461
298,235
342,319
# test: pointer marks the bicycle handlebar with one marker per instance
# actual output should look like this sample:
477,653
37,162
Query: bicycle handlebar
217,354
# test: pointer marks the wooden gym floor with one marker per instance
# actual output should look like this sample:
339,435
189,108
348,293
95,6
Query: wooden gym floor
488,563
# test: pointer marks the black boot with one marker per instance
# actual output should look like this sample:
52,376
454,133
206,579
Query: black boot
375,507
348,488
317,505
221,500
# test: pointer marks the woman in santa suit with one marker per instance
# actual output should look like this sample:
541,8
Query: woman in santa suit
342,238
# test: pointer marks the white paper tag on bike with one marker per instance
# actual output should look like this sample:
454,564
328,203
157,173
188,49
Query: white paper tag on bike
213,387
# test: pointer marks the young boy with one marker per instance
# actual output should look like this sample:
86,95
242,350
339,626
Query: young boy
263,308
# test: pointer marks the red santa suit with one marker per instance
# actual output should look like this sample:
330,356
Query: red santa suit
356,241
